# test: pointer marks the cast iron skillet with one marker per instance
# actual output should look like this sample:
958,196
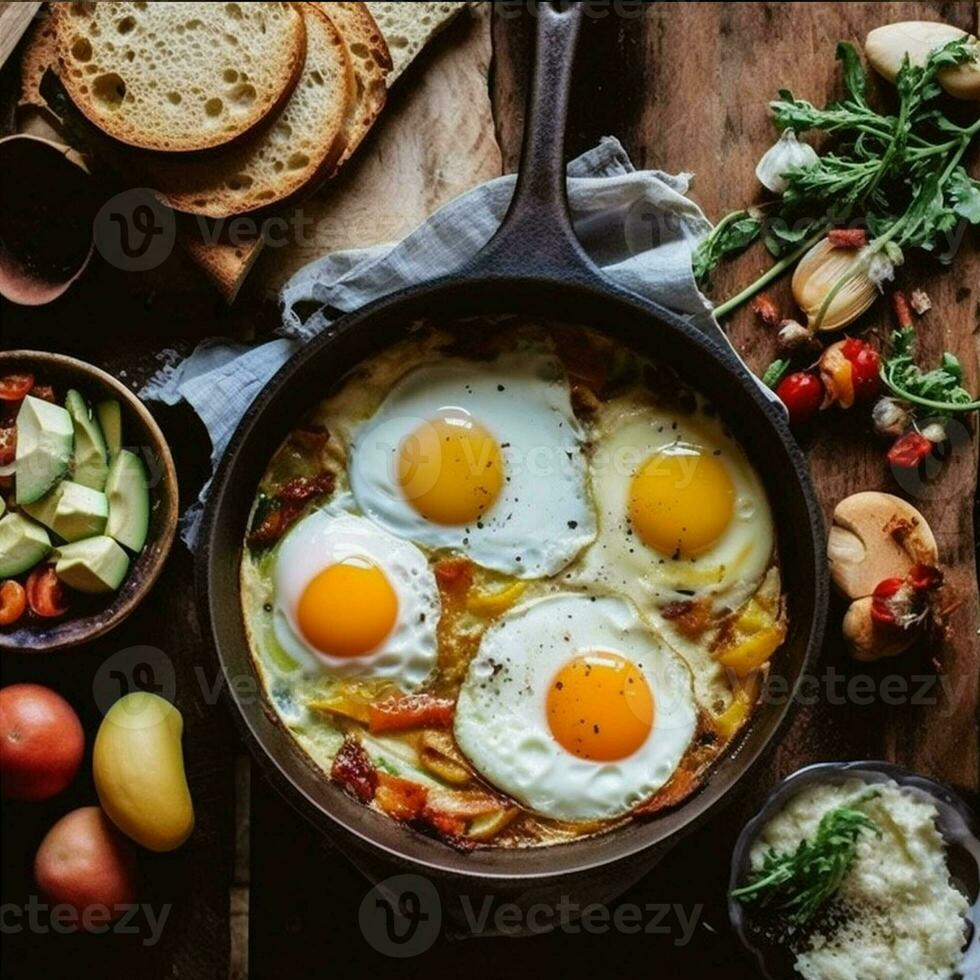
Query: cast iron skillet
533,266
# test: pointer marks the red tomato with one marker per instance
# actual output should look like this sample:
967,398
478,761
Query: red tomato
41,742
86,864
13,387
13,602
8,445
802,393
865,365
45,593
909,450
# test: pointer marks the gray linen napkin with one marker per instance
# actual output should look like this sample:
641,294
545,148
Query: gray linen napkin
638,226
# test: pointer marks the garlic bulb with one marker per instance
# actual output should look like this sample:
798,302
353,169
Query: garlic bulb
819,272
934,432
788,153
891,417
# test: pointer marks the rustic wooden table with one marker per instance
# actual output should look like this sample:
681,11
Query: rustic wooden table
684,87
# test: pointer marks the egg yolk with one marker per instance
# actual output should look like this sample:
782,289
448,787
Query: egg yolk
600,707
451,469
681,501
348,609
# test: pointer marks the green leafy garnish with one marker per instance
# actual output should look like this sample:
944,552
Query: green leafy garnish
901,173
800,883
733,233
940,389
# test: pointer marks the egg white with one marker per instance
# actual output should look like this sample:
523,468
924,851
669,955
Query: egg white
627,433
501,721
542,518
328,536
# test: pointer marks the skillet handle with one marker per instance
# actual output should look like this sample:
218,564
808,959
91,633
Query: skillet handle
536,234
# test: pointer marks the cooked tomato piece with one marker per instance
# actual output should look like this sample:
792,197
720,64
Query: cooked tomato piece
355,771
8,445
400,798
444,822
13,387
678,788
45,593
454,574
13,602
413,711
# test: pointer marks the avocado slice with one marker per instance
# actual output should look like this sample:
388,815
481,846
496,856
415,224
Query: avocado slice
109,415
91,463
45,435
3,506
72,510
129,500
92,565
22,544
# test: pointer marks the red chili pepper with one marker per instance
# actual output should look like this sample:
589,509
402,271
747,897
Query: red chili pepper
881,611
848,237
802,393
903,312
865,364
909,450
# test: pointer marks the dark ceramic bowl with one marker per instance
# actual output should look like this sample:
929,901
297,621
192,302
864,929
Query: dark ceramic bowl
956,822
143,436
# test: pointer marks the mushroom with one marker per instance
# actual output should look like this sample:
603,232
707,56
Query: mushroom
875,536
47,204
869,640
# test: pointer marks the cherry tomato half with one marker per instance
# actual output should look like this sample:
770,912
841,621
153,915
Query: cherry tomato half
45,593
802,393
865,364
13,602
909,450
13,387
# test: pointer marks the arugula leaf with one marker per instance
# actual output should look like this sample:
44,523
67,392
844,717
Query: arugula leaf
940,389
801,882
733,233
964,194
854,78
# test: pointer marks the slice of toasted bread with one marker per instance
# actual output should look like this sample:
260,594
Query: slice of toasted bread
178,76
371,60
226,265
407,28
39,53
299,146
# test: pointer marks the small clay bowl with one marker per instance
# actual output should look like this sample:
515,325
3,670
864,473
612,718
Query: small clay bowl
48,202
96,615
956,822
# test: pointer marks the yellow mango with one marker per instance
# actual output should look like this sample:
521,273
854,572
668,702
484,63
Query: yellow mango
753,652
138,766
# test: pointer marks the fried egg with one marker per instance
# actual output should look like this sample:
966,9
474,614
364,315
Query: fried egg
573,707
353,600
483,459
682,513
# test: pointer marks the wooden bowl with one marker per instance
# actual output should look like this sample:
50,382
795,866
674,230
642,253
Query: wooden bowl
143,436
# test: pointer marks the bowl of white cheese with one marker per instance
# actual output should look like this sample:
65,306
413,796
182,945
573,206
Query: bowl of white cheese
859,871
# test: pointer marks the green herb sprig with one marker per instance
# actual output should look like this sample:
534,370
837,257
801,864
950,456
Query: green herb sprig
901,174
800,883
940,390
